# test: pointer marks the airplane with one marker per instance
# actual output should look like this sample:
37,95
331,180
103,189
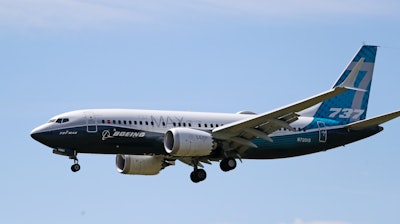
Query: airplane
147,141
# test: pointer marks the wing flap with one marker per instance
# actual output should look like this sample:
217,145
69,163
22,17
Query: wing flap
259,134
372,122
189,161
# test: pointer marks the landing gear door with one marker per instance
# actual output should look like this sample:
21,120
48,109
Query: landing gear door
91,122
323,133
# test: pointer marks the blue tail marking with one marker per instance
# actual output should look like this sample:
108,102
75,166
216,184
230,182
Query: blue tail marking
351,105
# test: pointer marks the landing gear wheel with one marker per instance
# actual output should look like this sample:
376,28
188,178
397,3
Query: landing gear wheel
227,164
193,177
198,175
76,167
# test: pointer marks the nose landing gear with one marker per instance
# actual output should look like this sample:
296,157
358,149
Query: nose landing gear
75,167
72,154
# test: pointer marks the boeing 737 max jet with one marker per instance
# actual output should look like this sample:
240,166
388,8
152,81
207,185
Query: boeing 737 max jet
146,141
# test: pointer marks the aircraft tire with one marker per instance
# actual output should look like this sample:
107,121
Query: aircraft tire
227,164
76,167
198,175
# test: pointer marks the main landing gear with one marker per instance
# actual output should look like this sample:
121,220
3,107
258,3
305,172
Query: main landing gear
199,175
227,164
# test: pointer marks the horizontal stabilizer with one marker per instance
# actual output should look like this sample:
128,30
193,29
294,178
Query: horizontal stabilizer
372,122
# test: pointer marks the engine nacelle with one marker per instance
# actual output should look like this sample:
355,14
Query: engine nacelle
139,164
188,142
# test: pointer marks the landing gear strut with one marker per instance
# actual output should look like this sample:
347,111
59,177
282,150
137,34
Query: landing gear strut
75,167
197,175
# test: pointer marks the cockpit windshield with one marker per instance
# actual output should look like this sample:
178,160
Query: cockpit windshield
59,120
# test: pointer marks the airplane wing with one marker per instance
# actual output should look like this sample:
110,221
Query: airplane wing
372,122
241,133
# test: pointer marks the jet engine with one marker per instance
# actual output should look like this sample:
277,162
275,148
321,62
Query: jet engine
139,164
188,142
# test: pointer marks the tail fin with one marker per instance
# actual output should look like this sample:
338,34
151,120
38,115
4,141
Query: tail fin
351,105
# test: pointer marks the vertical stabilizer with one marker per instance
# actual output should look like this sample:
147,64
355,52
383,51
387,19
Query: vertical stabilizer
351,105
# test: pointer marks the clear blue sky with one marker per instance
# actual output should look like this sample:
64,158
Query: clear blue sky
219,56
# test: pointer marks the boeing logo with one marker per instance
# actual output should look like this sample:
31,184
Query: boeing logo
106,134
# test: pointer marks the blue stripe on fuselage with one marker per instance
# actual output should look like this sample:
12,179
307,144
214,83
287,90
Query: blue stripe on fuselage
298,144
326,122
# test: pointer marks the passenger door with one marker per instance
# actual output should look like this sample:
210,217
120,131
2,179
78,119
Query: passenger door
323,133
91,122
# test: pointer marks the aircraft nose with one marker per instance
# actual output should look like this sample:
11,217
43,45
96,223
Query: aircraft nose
41,135
36,134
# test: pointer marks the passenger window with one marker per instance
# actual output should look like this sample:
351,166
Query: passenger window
130,122
163,123
140,122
